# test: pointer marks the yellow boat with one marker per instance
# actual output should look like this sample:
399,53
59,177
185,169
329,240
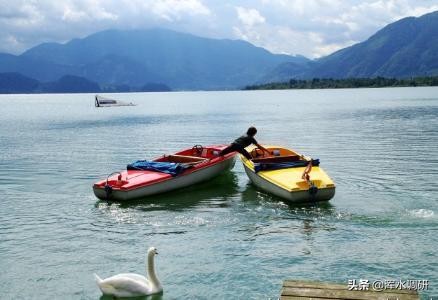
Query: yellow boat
288,174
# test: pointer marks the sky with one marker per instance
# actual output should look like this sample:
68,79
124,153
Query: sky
312,28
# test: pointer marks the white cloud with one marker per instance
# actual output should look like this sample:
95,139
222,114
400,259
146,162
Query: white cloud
316,28
32,22
81,11
175,9
421,10
309,27
10,43
249,16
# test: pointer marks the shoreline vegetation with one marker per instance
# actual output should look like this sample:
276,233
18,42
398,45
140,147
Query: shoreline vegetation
15,83
330,83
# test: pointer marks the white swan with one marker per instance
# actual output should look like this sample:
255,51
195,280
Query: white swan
130,284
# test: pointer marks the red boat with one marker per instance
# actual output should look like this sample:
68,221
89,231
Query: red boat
194,165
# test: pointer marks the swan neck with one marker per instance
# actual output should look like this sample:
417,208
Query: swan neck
151,271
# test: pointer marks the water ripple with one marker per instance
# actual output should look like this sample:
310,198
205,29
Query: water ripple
377,144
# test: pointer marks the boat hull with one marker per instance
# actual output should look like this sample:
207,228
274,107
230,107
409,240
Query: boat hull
100,101
281,174
323,194
177,182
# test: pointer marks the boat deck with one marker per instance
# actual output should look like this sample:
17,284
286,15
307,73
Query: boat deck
302,290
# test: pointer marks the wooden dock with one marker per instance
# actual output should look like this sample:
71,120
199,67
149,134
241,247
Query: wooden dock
302,290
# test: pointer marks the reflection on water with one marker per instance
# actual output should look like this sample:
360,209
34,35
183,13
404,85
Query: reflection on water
279,218
255,196
150,297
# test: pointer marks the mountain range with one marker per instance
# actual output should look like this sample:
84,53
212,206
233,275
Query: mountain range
132,59
403,49
137,57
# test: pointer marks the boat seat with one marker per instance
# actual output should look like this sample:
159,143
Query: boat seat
184,158
277,159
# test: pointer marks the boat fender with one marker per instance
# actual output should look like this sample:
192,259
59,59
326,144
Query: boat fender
108,191
313,190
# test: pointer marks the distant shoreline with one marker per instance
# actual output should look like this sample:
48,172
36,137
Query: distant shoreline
85,86
330,83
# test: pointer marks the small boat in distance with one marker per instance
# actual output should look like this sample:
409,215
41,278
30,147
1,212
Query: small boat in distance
166,173
288,174
100,101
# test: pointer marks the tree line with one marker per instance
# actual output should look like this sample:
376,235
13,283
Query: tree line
330,83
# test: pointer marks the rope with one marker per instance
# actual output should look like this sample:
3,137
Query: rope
313,190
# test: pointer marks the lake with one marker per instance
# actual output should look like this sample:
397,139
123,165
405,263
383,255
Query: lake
223,239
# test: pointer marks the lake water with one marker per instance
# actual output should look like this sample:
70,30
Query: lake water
223,239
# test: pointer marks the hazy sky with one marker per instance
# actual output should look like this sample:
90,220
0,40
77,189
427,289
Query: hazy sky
312,28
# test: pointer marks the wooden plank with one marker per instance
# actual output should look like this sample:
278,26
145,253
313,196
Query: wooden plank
304,298
186,157
335,286
344,294
314,284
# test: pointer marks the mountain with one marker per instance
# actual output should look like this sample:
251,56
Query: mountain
157,56
71,84
35,68
159,59
13,83
406,48
287,71
155,87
